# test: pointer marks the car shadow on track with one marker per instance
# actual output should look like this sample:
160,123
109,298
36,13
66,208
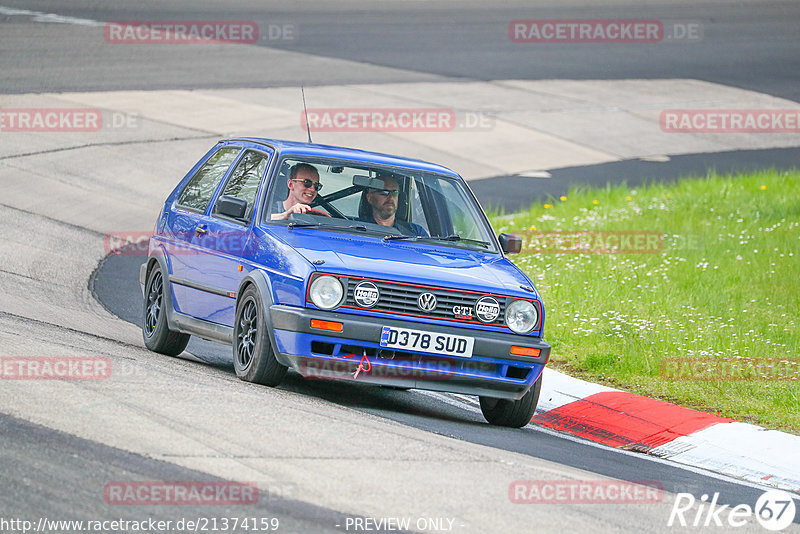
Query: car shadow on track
379,400
372,399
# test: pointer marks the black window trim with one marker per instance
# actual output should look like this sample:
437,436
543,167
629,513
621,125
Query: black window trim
181,207
264,179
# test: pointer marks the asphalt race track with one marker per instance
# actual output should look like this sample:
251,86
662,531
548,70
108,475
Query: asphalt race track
112,284
326,456
748,45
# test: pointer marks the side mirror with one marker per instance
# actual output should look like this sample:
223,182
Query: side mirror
510,243
231,207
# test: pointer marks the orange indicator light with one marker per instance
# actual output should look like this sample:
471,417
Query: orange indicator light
326,325
525,351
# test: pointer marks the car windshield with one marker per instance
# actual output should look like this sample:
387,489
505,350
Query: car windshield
390,202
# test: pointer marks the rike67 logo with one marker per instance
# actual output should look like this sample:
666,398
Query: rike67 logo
775,510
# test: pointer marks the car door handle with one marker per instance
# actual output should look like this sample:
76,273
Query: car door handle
200,230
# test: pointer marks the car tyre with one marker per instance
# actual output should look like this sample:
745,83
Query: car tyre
253,356
512,413
157,335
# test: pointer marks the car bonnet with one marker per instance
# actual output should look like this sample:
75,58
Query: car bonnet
418,263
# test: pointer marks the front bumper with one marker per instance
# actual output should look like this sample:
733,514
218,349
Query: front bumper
492,370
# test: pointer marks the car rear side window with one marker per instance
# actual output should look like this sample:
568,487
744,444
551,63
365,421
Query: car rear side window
245,179
200,188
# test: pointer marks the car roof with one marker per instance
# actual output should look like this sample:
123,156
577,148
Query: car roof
312,149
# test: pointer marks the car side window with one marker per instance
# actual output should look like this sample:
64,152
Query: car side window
462,213
245,179
197,193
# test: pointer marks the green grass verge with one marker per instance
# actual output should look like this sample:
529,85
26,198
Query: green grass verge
721,291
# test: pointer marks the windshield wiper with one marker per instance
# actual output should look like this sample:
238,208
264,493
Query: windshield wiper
456,237
401,237
303,225
452,237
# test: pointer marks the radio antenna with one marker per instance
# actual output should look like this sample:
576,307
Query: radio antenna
305,112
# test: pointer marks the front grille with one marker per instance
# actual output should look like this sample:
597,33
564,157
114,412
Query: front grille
402,299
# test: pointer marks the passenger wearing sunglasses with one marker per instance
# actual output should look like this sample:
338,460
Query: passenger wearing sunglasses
383,207
303,187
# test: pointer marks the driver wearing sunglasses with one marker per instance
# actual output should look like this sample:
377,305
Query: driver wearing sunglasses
383,206
303,188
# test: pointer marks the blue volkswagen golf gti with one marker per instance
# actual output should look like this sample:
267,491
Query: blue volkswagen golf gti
344,264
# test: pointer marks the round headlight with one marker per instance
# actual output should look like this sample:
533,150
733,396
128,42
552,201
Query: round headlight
326,292
521,316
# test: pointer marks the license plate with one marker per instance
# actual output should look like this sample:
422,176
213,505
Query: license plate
430,342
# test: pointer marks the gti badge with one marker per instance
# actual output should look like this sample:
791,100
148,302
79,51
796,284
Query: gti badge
462,312
366,294
487,309
427,302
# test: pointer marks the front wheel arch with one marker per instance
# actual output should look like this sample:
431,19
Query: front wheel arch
254,358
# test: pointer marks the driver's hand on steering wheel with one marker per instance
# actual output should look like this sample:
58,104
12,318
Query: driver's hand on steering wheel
297,208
